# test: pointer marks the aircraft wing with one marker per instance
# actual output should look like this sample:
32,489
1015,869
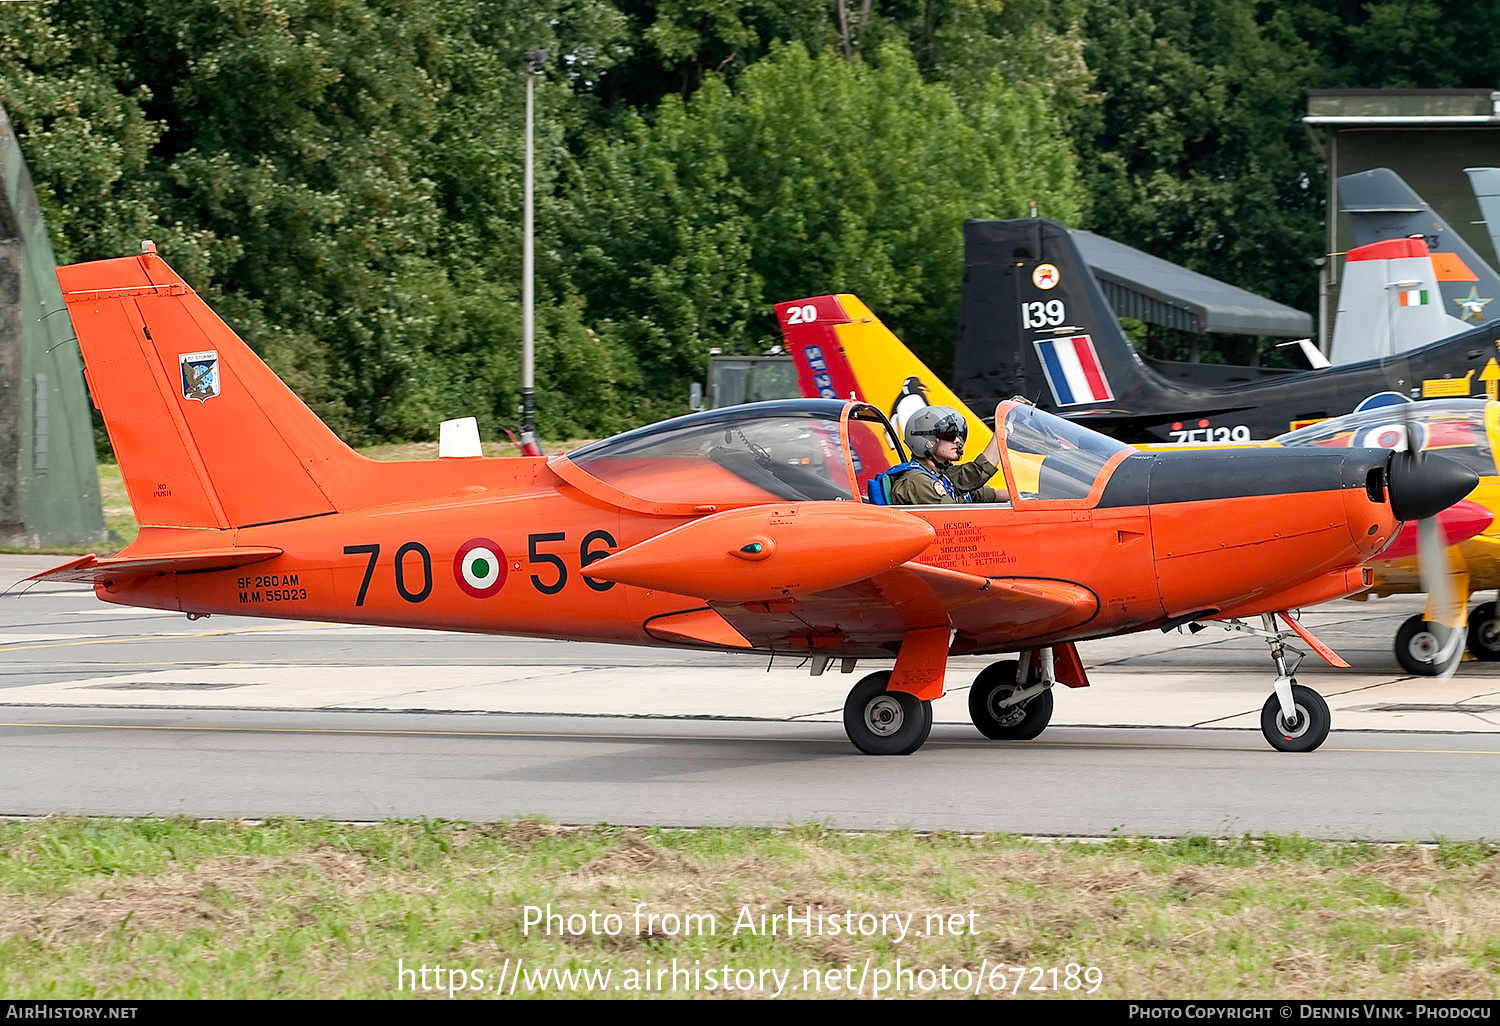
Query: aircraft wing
881,610
828,576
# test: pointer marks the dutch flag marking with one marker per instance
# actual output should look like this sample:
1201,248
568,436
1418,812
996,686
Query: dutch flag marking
1073,370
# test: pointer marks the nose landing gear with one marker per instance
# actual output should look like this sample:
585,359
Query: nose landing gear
1295,718
1305,729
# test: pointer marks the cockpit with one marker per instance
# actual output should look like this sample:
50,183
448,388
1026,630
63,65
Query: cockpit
1455,428
1049,459
811,449
795,449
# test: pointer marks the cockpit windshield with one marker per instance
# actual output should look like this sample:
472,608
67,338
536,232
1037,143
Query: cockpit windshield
739,455
1052,458
1454,428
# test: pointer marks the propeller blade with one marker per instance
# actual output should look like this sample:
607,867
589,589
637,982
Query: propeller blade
1446,619
1431,485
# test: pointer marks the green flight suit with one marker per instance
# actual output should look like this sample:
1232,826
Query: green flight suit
915,488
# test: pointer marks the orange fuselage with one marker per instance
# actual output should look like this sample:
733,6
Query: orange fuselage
396,565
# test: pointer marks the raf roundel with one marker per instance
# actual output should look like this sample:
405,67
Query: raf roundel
479,568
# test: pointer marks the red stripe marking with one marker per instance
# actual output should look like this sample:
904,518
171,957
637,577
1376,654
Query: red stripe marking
1390,249
1089,360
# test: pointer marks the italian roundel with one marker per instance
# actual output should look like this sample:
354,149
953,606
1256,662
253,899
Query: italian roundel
479,568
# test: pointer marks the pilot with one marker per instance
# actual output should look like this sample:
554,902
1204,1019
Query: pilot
936,435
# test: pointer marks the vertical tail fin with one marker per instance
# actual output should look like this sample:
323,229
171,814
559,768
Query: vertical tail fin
1389,302
1381,206
1485,181
841,349
1035,322
207,436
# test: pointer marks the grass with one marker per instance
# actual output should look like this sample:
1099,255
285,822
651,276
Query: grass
298,909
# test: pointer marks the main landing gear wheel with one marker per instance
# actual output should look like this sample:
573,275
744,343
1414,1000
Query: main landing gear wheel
1484,632
882,722
1418,645
996,683
1308,731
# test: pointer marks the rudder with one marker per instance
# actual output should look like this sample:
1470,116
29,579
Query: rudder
207,436
1034,322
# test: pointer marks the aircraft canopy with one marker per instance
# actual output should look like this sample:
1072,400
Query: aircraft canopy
794,449
1455,428
1050,458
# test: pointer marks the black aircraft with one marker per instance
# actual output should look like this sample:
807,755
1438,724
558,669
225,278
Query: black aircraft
1034,322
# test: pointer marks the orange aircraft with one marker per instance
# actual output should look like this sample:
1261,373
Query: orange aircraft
861,357
737,528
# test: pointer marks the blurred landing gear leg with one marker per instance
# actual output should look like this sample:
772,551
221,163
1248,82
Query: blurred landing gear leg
1484,632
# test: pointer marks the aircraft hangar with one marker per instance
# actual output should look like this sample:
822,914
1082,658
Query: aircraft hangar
1429,137
49,477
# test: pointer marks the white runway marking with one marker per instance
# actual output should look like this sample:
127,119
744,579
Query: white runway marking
100,608
19,638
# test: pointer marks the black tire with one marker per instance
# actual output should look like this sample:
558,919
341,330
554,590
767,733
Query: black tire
881,722
1484,632
1312,725
1418,643
1013,723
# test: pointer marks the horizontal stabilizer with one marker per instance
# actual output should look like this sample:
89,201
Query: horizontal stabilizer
91,570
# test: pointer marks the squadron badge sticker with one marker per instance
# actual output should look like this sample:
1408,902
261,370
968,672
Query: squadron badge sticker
200,375
1045,277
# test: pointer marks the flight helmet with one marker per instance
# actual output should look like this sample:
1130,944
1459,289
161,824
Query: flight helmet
931,424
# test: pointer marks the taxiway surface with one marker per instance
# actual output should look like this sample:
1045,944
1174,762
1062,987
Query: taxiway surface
114,711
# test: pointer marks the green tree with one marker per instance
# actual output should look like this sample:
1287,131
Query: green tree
1404,44
811,175
86,141
673,46
657,238
339,178
1197,152
860,176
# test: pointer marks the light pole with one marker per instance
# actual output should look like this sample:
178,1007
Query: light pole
535,60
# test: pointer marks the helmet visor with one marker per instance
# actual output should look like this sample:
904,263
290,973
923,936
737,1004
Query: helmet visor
951,428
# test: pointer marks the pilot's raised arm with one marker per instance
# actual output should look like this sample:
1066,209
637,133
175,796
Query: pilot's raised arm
936,435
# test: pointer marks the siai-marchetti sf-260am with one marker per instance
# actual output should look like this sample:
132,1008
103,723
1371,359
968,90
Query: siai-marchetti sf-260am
738,529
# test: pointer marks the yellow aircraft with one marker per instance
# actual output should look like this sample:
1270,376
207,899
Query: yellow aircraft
1466,430
842,350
